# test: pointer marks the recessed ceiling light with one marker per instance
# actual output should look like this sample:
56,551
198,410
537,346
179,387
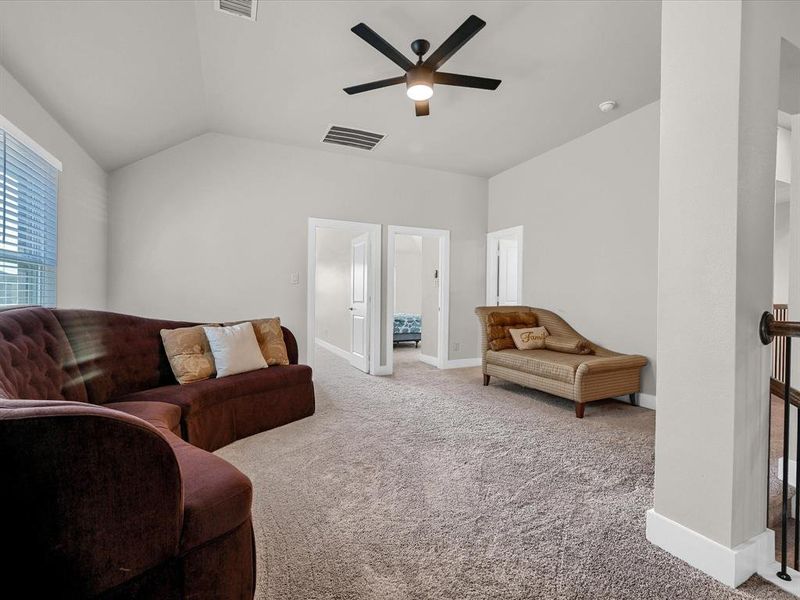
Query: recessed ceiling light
607,106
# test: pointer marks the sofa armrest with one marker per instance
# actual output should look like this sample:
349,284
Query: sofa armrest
92,497
291,345
610,363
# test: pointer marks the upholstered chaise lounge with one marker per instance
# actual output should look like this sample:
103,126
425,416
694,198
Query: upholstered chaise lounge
109,488
582,378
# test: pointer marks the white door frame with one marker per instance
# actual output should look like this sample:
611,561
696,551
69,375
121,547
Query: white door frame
373,278
511,233
444,292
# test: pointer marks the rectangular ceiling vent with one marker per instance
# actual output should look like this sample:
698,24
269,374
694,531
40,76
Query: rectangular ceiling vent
240,8
355,138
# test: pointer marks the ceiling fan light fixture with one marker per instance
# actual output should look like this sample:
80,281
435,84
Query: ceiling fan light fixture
419,92
419,83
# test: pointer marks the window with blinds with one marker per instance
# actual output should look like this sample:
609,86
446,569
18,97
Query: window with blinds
28,194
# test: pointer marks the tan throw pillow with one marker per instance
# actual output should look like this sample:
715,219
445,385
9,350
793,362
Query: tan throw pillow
569,345
270,340
498,324
531,338
235,349
189,353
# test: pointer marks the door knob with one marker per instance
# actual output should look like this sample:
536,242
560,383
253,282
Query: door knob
351,308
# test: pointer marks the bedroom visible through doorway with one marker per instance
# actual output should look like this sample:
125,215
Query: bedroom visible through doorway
417,284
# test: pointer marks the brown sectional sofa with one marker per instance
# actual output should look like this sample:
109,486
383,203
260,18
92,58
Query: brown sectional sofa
110,490
582,378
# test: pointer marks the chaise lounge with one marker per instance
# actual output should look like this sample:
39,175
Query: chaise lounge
582,378
109,487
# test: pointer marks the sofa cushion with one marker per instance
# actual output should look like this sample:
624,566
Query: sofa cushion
269,334
235,349
568,344
159,414
189,353
544,363
36,361
216,495
529,338
499,323
204,394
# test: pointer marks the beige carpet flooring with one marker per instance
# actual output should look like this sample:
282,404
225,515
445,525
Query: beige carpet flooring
427,485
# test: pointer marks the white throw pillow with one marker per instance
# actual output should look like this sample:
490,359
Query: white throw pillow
235,349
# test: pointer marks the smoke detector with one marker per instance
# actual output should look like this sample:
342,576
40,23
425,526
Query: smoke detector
607,106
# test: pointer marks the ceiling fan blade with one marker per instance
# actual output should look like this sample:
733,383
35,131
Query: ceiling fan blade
382,46
452,44
423,108
374,85
483,83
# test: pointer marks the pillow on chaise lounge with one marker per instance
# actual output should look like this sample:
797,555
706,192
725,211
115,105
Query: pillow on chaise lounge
498,325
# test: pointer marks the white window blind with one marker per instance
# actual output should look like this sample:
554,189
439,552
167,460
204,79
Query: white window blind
28,196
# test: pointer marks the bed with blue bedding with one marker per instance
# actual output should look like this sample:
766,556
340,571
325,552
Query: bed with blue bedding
407,328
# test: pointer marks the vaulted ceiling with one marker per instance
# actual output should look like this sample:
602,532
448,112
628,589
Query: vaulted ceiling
128,79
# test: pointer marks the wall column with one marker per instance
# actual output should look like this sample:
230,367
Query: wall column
719,100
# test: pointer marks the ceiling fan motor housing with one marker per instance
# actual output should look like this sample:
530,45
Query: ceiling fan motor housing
419,75
420,47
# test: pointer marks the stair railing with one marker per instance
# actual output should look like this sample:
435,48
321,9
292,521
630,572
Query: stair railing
770,329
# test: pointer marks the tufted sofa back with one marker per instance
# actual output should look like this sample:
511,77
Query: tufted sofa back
85,355
117,354
36,360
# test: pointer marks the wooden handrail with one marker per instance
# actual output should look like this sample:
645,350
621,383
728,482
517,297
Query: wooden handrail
771,328
776,389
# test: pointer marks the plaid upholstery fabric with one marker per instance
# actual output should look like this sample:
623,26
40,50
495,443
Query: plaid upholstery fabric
545,363
582,378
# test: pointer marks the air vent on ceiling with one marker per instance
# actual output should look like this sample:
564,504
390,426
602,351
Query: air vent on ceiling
355,138
241,8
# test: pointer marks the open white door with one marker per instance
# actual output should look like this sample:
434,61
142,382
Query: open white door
359,305
504,267
507,272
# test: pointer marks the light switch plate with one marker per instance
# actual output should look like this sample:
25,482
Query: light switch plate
294,278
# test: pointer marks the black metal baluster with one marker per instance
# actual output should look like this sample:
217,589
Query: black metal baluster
796,472
785,491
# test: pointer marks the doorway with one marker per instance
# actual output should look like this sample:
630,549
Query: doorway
417,296
344,262
504,267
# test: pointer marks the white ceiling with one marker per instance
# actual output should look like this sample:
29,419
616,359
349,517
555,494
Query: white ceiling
128,79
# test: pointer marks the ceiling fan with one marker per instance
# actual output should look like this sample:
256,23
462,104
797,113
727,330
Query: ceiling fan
420,77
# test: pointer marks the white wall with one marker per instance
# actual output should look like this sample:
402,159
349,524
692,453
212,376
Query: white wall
82,200
408,274
333,286
590,213
212,229
780,263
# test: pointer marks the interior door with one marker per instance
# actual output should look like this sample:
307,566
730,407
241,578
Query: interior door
507,273
359,303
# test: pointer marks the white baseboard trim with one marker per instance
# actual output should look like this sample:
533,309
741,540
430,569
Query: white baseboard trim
429,360
645,400
731,566
331,348
769,572
463,363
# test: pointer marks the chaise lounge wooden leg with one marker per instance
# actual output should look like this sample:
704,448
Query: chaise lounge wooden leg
634,402
579,408
486,379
